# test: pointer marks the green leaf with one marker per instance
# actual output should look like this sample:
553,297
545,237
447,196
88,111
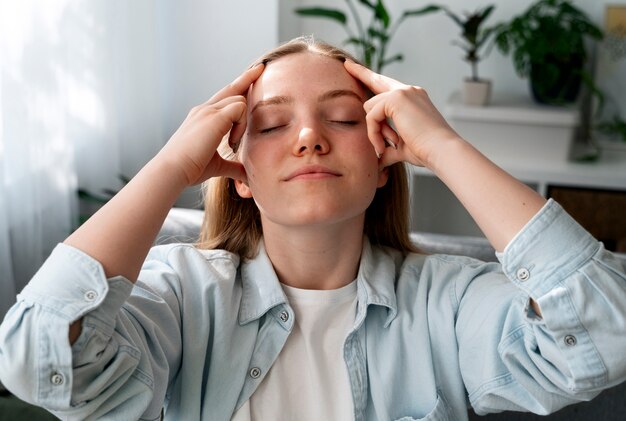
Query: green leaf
321,12
382,14
89,197
423,11
124,179
378,34
454,17
368,4
109,192
486,12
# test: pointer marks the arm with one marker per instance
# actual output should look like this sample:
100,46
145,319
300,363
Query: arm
120,234
117,359
509,357
500,204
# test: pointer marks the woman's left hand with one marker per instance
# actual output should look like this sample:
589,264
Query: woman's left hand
420,130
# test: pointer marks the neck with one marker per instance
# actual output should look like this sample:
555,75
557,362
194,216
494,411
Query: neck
315,257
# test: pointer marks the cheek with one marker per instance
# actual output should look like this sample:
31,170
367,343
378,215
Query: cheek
259,163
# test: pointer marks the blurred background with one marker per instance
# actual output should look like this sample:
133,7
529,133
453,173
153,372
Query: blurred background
90,90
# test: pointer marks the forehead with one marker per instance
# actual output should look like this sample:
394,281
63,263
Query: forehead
303,74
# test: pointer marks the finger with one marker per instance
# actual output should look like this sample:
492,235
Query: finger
390,136
207,108
240,85
220,167
390,157
377,83
237,131
215,124
232,169
236,113
374,120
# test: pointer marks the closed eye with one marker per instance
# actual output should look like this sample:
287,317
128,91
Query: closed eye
270,129
346,122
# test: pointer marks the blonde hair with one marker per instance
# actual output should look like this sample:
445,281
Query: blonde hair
233,223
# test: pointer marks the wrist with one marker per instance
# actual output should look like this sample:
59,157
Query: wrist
444,150
163,166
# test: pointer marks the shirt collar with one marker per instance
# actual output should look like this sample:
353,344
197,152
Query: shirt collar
376,281
375,284
261,288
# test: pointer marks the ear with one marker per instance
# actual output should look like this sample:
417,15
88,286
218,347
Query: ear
243,189
383,176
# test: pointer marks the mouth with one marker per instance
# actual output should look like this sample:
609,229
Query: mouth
312,172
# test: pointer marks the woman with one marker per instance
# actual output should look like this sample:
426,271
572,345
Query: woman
317,308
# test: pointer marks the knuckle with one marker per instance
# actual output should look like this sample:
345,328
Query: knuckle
418,90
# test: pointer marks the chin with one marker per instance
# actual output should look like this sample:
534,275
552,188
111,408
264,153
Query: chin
315,215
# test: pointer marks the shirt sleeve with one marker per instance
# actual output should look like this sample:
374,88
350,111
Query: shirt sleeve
512,359
128,350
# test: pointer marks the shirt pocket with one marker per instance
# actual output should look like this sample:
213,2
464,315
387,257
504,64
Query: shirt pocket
441,412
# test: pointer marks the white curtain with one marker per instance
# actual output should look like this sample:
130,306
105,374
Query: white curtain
56,124
91,89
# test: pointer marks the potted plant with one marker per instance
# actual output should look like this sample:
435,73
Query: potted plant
476,91
371,41
547,42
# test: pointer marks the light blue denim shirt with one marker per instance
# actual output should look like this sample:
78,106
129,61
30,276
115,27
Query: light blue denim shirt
199,331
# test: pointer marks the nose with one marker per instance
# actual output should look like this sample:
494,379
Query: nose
310,140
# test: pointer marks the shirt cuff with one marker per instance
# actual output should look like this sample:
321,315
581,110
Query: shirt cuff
71,283
547,250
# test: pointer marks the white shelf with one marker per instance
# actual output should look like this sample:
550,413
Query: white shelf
515,109
513,126
523,138
607,173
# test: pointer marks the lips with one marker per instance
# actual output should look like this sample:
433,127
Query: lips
312,172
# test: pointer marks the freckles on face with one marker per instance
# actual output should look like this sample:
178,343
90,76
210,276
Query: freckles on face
306,111
298,78
304,89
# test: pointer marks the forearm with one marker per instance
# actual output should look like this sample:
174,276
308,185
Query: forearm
121,233
500,204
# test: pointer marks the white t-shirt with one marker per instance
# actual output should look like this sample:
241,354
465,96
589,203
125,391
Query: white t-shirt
309,380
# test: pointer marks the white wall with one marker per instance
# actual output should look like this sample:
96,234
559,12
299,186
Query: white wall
177,54
430,59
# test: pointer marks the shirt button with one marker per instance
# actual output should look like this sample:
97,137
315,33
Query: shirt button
284,316
570,340
91,295
523,274
255,372
57,379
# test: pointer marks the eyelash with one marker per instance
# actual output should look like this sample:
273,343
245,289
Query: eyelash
270,129
344,122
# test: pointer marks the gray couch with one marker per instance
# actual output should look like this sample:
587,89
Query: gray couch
182,225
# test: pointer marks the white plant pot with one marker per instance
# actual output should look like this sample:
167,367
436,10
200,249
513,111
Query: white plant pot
476,92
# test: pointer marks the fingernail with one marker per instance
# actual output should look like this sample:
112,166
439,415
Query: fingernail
377,154
390,143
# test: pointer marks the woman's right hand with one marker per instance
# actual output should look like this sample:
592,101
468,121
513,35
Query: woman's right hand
192,150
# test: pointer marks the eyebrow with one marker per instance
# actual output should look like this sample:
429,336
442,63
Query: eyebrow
337,93
275,100
278,100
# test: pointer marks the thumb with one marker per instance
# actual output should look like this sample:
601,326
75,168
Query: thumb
236,171
389,157
223,167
